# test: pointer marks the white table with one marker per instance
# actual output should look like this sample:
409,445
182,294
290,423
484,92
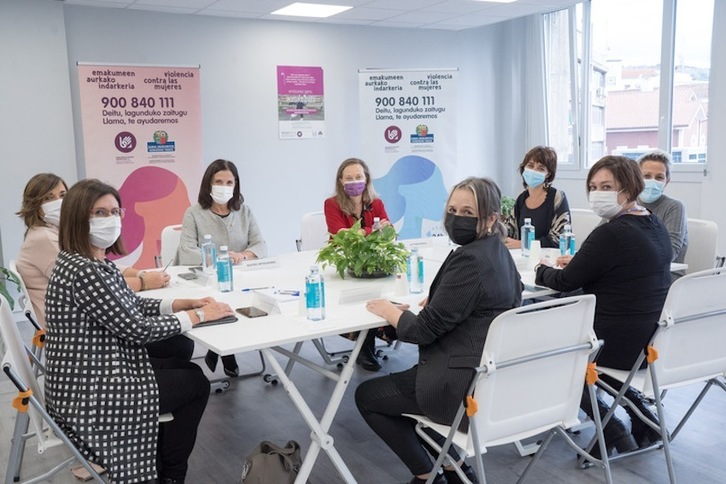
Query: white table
269,333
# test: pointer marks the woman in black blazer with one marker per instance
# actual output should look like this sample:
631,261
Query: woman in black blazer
476,282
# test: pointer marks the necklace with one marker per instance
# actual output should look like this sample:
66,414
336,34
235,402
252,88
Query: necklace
634,208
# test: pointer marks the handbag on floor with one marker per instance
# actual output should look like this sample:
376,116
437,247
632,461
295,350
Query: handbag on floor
271,464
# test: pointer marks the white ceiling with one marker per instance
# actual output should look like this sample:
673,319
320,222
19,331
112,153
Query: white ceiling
428,14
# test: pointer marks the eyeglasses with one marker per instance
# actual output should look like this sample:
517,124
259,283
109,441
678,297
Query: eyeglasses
103,213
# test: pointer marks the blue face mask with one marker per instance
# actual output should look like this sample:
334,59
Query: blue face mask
533,178
652,191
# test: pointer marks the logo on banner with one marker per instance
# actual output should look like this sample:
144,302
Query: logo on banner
161,143
393,134
125,142
422,135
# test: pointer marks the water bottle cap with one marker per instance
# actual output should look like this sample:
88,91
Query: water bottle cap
568,228
314,269
527,220
207,237
223,248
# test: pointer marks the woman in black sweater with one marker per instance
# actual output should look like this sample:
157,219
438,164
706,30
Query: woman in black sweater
626,264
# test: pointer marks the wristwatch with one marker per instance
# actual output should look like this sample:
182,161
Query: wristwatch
200,314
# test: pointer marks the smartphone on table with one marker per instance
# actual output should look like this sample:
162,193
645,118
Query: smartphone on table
251,312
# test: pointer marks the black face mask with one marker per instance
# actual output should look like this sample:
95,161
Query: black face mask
461,230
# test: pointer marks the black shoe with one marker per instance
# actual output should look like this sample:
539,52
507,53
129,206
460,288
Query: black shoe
211,360
440,479
230,366
367,360
367,356
644,434
453,478
615,432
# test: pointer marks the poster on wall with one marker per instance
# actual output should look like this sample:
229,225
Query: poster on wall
408,127
142,135
300,102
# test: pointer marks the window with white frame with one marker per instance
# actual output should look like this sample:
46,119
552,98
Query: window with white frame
625,102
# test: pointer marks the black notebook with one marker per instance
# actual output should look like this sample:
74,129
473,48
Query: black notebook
224,320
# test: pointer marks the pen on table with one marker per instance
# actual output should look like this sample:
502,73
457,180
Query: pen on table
247,289
288,292
167,265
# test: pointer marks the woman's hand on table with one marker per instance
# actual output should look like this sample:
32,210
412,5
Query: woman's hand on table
238,257
513,243
386,309
216,310
154,279
424,302
563,260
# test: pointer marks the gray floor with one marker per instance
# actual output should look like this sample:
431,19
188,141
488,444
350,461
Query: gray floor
251,411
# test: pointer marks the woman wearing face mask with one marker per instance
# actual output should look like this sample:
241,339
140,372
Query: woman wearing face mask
100,384
221,213
476,282
656,169
40,210
356,200
546,206
626,264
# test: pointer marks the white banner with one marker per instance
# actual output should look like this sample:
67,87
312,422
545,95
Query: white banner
408,127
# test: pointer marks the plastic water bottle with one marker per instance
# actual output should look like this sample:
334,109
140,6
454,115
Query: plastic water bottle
209,254
376,223
527,236
224,270
567,241
415,272
315,294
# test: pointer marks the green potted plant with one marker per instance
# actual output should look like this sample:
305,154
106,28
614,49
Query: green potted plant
375,255
506,207
5,276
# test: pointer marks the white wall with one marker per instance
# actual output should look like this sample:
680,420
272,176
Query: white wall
36,123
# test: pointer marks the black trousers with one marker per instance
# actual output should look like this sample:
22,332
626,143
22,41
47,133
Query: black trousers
179,347
183,391
381,403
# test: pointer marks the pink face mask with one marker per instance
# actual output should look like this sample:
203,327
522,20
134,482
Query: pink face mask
354,188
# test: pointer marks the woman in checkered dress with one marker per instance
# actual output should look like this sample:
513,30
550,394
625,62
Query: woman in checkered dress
100,385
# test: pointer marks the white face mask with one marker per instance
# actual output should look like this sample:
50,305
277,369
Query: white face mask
605,203
51,211
222,193
105,231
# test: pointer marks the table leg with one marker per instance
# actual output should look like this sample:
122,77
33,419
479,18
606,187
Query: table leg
319,438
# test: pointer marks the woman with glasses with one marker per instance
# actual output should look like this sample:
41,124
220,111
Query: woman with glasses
546,206
626,264
100,385
40,210
221,213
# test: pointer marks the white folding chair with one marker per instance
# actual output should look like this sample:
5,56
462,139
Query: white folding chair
530,380
30,403
29,311
170,237
688,347
702,246
583,221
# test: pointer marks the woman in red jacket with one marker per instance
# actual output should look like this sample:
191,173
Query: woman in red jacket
356,200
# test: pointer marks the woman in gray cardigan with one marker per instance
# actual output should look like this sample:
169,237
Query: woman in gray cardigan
476,282
221,213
